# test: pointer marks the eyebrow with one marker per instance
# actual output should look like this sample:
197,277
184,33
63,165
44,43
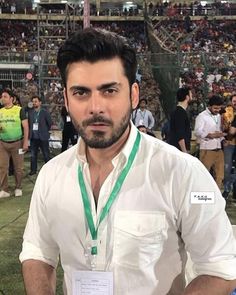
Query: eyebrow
100,87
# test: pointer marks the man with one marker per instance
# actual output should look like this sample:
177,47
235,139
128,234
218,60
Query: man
69,133
229,148
118,202
180,131
13,142
39,125
232,129
142,116
208,131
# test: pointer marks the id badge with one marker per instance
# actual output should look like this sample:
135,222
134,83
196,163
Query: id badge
92,283
141,122
35,126
68,119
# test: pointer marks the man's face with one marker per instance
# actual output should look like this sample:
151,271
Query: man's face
6,99
98,100
215,109
233,102
36,103
142,104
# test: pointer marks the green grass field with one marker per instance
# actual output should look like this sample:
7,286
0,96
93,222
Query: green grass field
13,216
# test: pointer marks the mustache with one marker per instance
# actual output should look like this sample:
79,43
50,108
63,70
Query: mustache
96,119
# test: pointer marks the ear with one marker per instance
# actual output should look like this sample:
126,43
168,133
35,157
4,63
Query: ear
134,95
66,99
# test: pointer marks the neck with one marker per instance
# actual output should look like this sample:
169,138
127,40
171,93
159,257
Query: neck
8,106
100,157
183,104
37,109
142,109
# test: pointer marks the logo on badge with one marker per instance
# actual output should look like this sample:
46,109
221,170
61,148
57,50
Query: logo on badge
202,197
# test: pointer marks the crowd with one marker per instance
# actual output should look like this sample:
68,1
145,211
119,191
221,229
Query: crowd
52,94
206,57
195,8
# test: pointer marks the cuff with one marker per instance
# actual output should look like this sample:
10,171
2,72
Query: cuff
30,251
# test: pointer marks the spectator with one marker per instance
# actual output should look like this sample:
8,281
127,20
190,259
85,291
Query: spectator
180,131
39,126
142,116
229,147
208,130
13,142
69,133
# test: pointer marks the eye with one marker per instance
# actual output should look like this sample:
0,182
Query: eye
80,92
110,91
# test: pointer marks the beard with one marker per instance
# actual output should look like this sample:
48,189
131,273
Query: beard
99,140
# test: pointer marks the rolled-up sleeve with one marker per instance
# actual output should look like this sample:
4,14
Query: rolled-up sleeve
205,228
200,130
38,242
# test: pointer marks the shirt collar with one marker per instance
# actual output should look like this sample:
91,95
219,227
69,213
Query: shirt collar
121,157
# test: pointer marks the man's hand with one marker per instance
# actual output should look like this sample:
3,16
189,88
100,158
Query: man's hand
25,146
216,134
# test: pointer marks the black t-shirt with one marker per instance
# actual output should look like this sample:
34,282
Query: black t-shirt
180,128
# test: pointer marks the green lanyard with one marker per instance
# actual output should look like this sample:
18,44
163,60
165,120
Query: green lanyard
111,199
36,116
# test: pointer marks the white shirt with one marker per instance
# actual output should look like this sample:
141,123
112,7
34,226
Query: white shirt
151,223
207,123
144,117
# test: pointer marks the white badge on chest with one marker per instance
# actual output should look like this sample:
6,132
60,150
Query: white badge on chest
68,119
36,126
141,122
92,283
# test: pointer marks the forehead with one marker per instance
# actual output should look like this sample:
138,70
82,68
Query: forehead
96,73
216,106
6,94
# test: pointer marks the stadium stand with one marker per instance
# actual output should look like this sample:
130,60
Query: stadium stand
187,37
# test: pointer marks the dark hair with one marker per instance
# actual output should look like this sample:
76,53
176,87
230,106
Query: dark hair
143,99
93,45
9,92
215,100
36,96
182,93
17,100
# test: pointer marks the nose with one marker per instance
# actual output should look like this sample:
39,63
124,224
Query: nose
96,105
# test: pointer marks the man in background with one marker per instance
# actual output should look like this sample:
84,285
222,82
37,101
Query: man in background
229,149
180,130
69,133
208,130
142,116
39,125
14,132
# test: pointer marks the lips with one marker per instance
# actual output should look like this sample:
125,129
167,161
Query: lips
99,124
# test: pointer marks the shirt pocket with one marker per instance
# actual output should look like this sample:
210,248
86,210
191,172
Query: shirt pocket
138,238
